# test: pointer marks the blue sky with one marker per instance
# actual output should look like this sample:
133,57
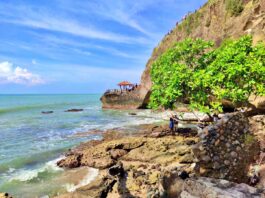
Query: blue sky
81,46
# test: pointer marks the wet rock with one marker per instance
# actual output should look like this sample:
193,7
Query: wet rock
47,112
72,161
74,110
98,188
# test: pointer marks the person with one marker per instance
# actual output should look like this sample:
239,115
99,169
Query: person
215,118
176,122
171,125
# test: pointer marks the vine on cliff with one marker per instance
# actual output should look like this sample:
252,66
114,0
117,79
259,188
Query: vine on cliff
204,77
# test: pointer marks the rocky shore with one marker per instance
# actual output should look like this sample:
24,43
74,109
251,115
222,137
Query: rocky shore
216,161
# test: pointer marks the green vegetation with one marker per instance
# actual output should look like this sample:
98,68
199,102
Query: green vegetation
191,22
212,2
193,71
249,139
234,7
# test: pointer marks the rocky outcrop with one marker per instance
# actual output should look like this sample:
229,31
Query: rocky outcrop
143,160
163,151
227,149
156,164
122,100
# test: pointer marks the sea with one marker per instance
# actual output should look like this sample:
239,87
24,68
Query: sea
32,142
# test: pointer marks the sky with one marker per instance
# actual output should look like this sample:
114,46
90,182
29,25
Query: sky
81,46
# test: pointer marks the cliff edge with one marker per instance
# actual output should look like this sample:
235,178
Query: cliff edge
217,20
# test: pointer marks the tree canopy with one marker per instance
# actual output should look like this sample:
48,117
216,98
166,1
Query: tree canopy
193,71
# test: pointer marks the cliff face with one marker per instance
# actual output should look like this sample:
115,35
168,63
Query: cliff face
214,21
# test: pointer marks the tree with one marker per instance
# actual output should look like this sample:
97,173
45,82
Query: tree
193,71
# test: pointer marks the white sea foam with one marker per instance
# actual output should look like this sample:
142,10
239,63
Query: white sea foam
92,174
27,175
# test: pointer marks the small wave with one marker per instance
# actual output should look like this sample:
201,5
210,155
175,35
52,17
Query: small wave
27,175
24,108
49,106
92,174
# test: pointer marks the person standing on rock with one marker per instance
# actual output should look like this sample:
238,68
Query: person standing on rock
176,122
171,125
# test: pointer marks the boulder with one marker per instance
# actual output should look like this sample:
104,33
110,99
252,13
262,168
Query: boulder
214,188
74,110
71,161
47,112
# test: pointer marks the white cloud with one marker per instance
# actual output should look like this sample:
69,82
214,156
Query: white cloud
18,75
43,19
123,12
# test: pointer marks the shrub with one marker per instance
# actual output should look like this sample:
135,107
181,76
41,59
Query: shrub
234,7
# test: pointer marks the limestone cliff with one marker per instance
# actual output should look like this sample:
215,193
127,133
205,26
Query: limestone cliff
213,21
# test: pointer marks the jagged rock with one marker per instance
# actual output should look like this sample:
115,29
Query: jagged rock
117,153
71,161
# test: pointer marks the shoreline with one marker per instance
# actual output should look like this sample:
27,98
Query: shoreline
138,154
148,154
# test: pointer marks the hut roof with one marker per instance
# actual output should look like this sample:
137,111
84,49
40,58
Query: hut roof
125,83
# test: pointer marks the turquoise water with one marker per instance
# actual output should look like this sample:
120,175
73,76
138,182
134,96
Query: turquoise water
32,142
